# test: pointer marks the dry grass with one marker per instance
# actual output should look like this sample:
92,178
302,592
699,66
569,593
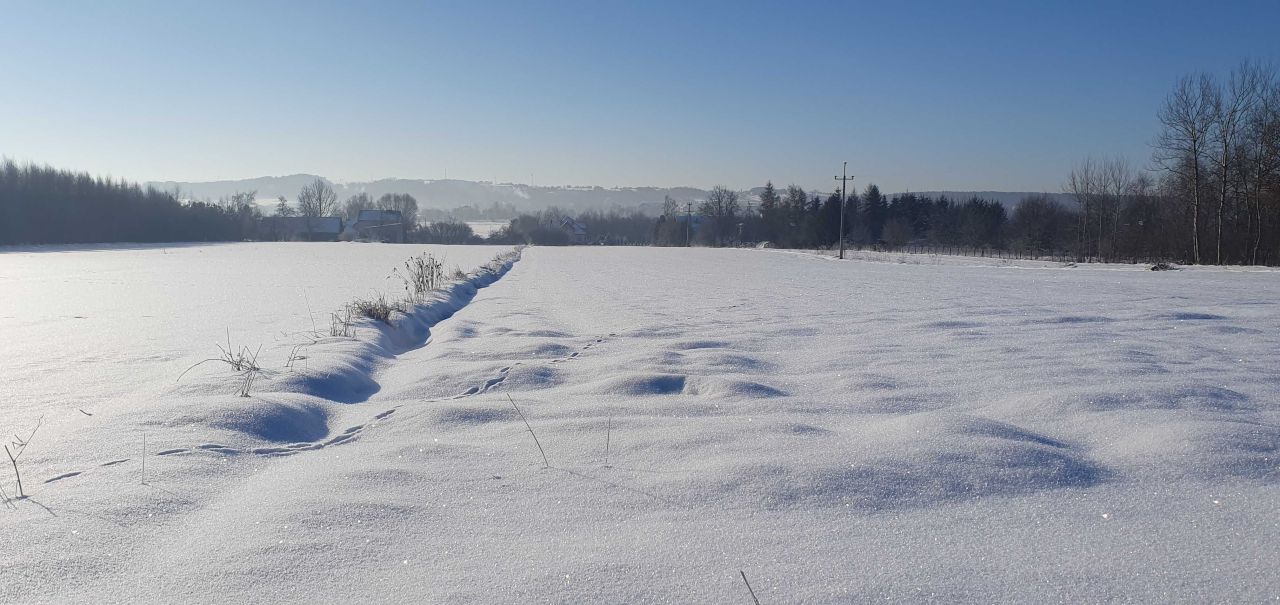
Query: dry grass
19,445
377,308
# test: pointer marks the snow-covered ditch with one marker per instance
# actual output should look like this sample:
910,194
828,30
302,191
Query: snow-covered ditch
837,431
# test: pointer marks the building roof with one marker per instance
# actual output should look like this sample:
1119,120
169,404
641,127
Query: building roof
303,224
573,225
378,216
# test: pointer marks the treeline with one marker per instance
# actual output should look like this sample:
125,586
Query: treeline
795,219
555,227
43,205
1218,152
1213,196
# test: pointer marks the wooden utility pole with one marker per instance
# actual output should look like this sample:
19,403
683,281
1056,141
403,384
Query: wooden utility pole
843,178
688,226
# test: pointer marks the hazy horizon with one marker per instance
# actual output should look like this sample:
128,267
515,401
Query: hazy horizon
1003,97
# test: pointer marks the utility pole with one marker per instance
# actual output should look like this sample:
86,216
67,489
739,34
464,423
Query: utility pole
844,178
688,226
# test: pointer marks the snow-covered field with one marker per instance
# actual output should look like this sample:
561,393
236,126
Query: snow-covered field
97,329
837,431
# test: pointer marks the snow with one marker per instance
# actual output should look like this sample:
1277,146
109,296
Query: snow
839,431
109,327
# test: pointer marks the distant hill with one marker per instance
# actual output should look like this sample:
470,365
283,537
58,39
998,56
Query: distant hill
448,194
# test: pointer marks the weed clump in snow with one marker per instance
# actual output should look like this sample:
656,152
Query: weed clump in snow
377,308
421,275
243,361
342,324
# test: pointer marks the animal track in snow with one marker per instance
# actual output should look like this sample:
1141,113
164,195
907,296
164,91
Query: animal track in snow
287,450
488,384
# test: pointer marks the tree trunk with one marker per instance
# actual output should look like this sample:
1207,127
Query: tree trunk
1195,213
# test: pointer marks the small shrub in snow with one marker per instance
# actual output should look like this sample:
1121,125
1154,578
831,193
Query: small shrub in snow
458,274
1162,266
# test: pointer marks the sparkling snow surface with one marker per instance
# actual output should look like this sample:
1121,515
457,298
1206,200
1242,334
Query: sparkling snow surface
873,429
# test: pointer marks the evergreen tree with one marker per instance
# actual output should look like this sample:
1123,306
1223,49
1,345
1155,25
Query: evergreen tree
875,212
793,216
770,213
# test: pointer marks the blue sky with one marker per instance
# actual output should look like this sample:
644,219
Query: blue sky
920,96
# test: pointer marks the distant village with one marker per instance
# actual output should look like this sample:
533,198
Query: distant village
369,225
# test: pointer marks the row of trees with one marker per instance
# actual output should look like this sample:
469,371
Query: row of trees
317,199
795,219
552,227
43,205
1219,155
1212,195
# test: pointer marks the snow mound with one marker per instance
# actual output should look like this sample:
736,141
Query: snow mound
1203,449
528,377
262,419
474,414
1200,398
916,461
641,385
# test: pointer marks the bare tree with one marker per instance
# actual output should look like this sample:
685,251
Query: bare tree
1117,183
239,201
282,207
1101,188
670,207
1230,109
403,203
317,199
721,208
354,204
1082,184
1187,118
1260,155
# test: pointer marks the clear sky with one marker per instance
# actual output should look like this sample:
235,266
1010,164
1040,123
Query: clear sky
931,95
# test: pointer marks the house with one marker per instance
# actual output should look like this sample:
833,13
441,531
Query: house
377,226
301,228
577,231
